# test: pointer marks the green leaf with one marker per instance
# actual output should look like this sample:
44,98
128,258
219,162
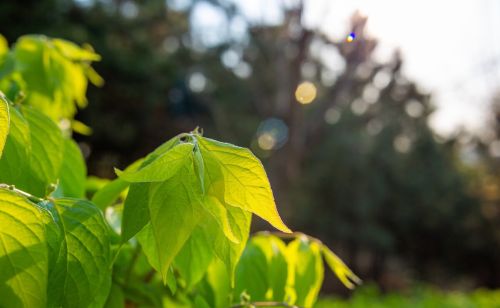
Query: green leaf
252,273
199,166
263,270
74,52
136,210
276,255
161,210
199,302
15,160
116,298
163,167
53,73
4,47
213,198
229,252
221,214
166,146
244,182
32,155
171,282
306,270
111,191
195,256
345,275
175,209
156,164
4,121
147,241
73,174
46,155
23,252
83,269
215,288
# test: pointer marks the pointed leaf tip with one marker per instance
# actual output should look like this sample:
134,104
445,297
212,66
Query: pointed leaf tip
343,273
238,178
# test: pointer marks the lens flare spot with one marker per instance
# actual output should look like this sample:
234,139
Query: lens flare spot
306,93
351,37
266,141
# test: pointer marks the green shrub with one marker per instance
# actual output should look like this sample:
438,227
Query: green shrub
421,297
170,231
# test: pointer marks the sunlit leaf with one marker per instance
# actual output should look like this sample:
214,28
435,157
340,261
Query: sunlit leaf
74,52
227,251
46,155
72,177
111,191
4,121
32,156
245,183
346,276
82,271
215,288
147,241
23,252
52,73
252,273
306,270
4,47
163,167
175,208
14,162
136,210
195,256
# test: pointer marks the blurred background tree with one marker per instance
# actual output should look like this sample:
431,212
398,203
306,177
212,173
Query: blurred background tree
345,139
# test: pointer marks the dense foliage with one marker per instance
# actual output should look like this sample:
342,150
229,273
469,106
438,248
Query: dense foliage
171,230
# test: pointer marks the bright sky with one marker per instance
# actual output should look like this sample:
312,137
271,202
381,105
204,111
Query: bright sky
450,47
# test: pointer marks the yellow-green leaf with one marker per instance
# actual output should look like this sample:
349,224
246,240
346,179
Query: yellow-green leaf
23,252
344,273
81,276
244,182
227,251
175,209
4,122
73,173
163,167
306,270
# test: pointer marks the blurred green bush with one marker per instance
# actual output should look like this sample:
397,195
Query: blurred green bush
419,297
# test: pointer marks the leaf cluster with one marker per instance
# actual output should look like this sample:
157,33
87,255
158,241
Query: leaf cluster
172,229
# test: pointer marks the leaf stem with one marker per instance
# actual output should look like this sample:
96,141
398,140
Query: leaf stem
28,196
291,236
264,304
